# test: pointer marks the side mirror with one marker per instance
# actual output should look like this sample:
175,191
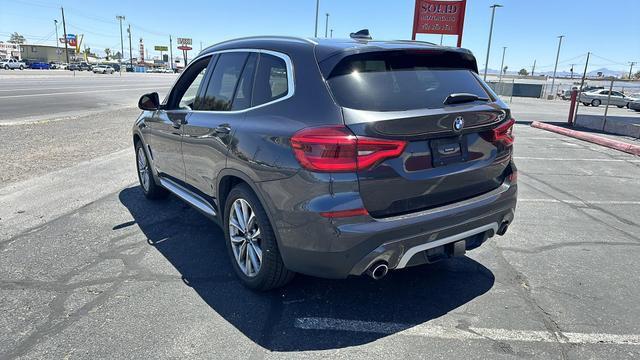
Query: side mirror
150,102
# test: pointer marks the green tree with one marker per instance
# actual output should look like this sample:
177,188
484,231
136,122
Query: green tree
637,75
523,72
107,52
17,39
117,55
504,71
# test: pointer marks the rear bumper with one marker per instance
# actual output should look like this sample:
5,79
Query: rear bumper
337,248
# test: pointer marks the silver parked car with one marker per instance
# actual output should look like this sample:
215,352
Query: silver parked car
598,97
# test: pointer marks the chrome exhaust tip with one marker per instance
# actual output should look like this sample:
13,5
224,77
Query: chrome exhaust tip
503,228
378,270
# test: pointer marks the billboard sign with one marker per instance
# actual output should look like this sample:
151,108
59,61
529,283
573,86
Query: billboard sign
161,48
72,40
439,17
184,41
185,48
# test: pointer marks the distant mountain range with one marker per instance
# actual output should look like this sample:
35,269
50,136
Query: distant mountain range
576,72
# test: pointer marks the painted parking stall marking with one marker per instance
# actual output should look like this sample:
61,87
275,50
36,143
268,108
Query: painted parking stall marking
471,333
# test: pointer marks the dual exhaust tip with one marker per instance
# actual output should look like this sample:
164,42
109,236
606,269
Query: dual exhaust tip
378,270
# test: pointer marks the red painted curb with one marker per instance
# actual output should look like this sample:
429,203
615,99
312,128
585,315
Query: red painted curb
613,144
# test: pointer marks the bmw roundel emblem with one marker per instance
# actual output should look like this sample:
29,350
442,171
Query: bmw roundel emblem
458,123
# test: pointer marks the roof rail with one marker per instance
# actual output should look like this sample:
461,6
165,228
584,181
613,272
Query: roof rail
266,37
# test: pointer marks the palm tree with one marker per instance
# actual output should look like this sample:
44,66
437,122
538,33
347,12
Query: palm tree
107,51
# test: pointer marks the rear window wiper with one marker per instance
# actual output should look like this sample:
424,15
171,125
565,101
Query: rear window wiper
459,98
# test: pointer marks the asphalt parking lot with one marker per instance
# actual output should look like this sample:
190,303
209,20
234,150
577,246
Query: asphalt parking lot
90,269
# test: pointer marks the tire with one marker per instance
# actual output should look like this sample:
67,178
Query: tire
596,102
145,178
620,106
21,67
6,67
586,103
271,272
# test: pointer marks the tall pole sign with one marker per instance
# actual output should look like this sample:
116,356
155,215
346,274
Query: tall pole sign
445,17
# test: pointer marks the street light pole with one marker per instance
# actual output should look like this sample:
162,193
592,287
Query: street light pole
631,68
486,63
120,18
553,79
331,33
315,34
326,26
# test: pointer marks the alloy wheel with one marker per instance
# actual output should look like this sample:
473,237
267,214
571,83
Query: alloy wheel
245,237
143,169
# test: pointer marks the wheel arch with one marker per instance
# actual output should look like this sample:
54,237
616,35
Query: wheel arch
227,180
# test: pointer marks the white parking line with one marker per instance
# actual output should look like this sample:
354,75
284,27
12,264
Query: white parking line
84,92
472,333
594,202
573,159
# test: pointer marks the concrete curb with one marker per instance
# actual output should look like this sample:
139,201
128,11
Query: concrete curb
599,140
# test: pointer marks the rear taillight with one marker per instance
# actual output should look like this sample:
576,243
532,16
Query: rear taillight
504,132
336,149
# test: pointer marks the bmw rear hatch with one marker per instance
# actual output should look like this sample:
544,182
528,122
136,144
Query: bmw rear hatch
455,133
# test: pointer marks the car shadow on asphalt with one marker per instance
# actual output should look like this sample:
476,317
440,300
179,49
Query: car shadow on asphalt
303,315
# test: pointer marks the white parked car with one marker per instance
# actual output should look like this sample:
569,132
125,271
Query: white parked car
103,69
12,64
600,97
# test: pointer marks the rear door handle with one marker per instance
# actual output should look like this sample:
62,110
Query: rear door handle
223,129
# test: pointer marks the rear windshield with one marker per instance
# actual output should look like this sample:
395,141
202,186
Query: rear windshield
395,81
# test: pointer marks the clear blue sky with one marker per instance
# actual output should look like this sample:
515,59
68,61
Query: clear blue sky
528,28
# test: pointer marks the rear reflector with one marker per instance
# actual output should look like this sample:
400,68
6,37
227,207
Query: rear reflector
337,149
513,178
345,213
504,132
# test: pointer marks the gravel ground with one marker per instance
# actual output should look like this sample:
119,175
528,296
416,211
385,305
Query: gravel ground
34,149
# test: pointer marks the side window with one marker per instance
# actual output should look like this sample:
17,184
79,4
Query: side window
242,98
223,81
187,87
271,80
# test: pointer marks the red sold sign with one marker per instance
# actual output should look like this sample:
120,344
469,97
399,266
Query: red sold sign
439,17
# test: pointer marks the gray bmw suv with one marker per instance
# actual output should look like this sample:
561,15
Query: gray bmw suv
332,157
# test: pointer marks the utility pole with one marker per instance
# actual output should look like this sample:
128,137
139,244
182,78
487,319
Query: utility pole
584,75
317,7
130,49
441,38
120,18
504,50
553,79
200,46
493,14
331,33
55,22
326,26
64,28
533,69
171,51
572,65
631,63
